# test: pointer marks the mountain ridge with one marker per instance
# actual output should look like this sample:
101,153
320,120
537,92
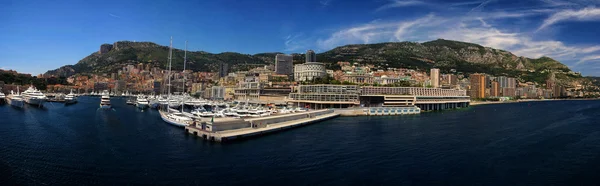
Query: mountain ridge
444,54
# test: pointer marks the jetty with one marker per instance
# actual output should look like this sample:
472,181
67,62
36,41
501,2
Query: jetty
228,129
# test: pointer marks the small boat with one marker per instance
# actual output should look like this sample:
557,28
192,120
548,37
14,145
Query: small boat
2,96
105,100
70,98
142,103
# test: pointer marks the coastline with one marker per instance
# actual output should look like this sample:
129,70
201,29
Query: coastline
524,100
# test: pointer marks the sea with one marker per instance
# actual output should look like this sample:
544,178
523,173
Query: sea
528,143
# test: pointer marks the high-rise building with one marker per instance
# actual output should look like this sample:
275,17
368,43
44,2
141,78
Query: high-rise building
311,56
223,69
511,83
503,80
284,64
435,77
452,79
495,90
478,82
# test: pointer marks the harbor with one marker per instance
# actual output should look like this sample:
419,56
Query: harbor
217,130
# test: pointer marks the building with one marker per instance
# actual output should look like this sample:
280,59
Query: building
309,71
343,96
508,92
284,64
223,69
156,87
478,82
100,86
452,79
511,82
311,56
218,93
435,77
495,90
325,96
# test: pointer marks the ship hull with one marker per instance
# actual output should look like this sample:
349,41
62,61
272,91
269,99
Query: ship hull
14,103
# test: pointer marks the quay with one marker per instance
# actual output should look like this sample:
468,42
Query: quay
228,129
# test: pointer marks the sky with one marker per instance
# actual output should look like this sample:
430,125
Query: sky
41,35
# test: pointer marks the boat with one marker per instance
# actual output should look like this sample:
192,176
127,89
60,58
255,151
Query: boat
33,96
16,100
105,100
70,98
142,103
130,101
2,96
176,118
172,116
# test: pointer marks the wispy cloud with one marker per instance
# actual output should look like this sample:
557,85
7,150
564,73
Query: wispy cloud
400,3
466,3
113,15
325,2
295,42
482,5
586,14
588,58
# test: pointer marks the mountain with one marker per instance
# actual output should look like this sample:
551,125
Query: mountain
112,57
443,54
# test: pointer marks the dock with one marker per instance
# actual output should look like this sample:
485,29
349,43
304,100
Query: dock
229,130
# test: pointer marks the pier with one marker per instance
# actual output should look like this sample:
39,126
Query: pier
228,130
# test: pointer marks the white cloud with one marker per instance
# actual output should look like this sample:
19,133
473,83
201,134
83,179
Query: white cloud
113,15
400,3
462,29
466,3
378,32
588,58
586,14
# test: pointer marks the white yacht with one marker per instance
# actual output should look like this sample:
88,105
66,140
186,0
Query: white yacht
16,99
105,100
33,96
2,96
142,103
71,98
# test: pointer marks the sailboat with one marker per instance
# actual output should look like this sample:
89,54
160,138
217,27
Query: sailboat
171,116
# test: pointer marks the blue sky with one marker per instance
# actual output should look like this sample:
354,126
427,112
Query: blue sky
40,35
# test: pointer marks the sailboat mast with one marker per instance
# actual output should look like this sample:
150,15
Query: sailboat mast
184,62
169,73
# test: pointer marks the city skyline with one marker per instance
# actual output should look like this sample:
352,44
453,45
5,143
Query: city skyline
63,33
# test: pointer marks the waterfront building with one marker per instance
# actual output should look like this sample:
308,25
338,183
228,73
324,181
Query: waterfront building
511,82
503,81
344,96
309,71
508,92
478,82
311,56
385,80
325,96
495,90
435,77
284,64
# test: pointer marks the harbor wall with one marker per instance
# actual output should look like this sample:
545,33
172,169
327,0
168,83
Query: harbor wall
263,122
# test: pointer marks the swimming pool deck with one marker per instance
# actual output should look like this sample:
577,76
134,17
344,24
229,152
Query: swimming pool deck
229,135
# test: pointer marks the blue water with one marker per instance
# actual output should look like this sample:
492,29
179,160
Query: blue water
537,143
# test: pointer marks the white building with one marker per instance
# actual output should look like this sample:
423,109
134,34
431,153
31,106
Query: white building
309,71
218,93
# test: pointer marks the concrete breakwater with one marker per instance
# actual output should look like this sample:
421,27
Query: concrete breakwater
228,129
